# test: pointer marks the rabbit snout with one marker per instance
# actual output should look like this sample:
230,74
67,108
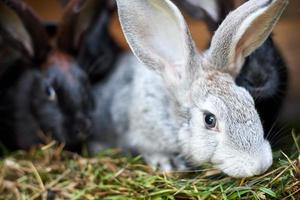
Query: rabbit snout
243,164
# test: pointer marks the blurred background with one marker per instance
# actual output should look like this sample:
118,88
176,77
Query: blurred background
286,35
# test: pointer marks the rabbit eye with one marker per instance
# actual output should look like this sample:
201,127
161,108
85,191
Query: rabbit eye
210,120
50,92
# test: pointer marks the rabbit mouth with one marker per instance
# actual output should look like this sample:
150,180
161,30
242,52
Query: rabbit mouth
239,168
237,171
81,127
240,164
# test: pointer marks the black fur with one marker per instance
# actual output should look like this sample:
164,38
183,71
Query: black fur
50,94
265,76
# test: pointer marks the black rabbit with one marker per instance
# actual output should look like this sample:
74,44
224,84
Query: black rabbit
84,32
264,73
104,52
45,86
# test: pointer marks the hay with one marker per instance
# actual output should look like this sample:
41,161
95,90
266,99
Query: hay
49,172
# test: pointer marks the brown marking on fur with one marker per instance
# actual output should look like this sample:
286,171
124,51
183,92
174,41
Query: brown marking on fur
60,59
211,76
63,62
216,82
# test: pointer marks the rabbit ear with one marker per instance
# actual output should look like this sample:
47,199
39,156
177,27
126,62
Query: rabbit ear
85,33
19,20
242,32
158,35
68,25
211,7
212,12
201,8
12,26
78,18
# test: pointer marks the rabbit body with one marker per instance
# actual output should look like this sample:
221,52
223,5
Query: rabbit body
172,104
132,96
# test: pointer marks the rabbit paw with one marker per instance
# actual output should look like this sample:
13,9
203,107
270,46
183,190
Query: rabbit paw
165,162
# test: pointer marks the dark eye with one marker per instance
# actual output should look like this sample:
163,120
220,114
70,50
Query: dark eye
50,92
210,120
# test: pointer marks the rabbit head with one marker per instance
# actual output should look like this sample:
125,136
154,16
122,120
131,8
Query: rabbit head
217,119
71,93
264,73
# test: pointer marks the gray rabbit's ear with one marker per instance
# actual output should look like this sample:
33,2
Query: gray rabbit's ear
158,35
19,21
242,32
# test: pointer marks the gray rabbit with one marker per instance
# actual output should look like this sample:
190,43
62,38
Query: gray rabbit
167,101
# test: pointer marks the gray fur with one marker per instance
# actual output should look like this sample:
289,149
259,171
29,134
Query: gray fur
156,106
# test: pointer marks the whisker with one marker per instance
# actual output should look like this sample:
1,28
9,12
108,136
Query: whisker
277,134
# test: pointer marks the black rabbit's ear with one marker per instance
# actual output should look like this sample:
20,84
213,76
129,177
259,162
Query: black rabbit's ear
79,16
19,21
213,12
84,33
